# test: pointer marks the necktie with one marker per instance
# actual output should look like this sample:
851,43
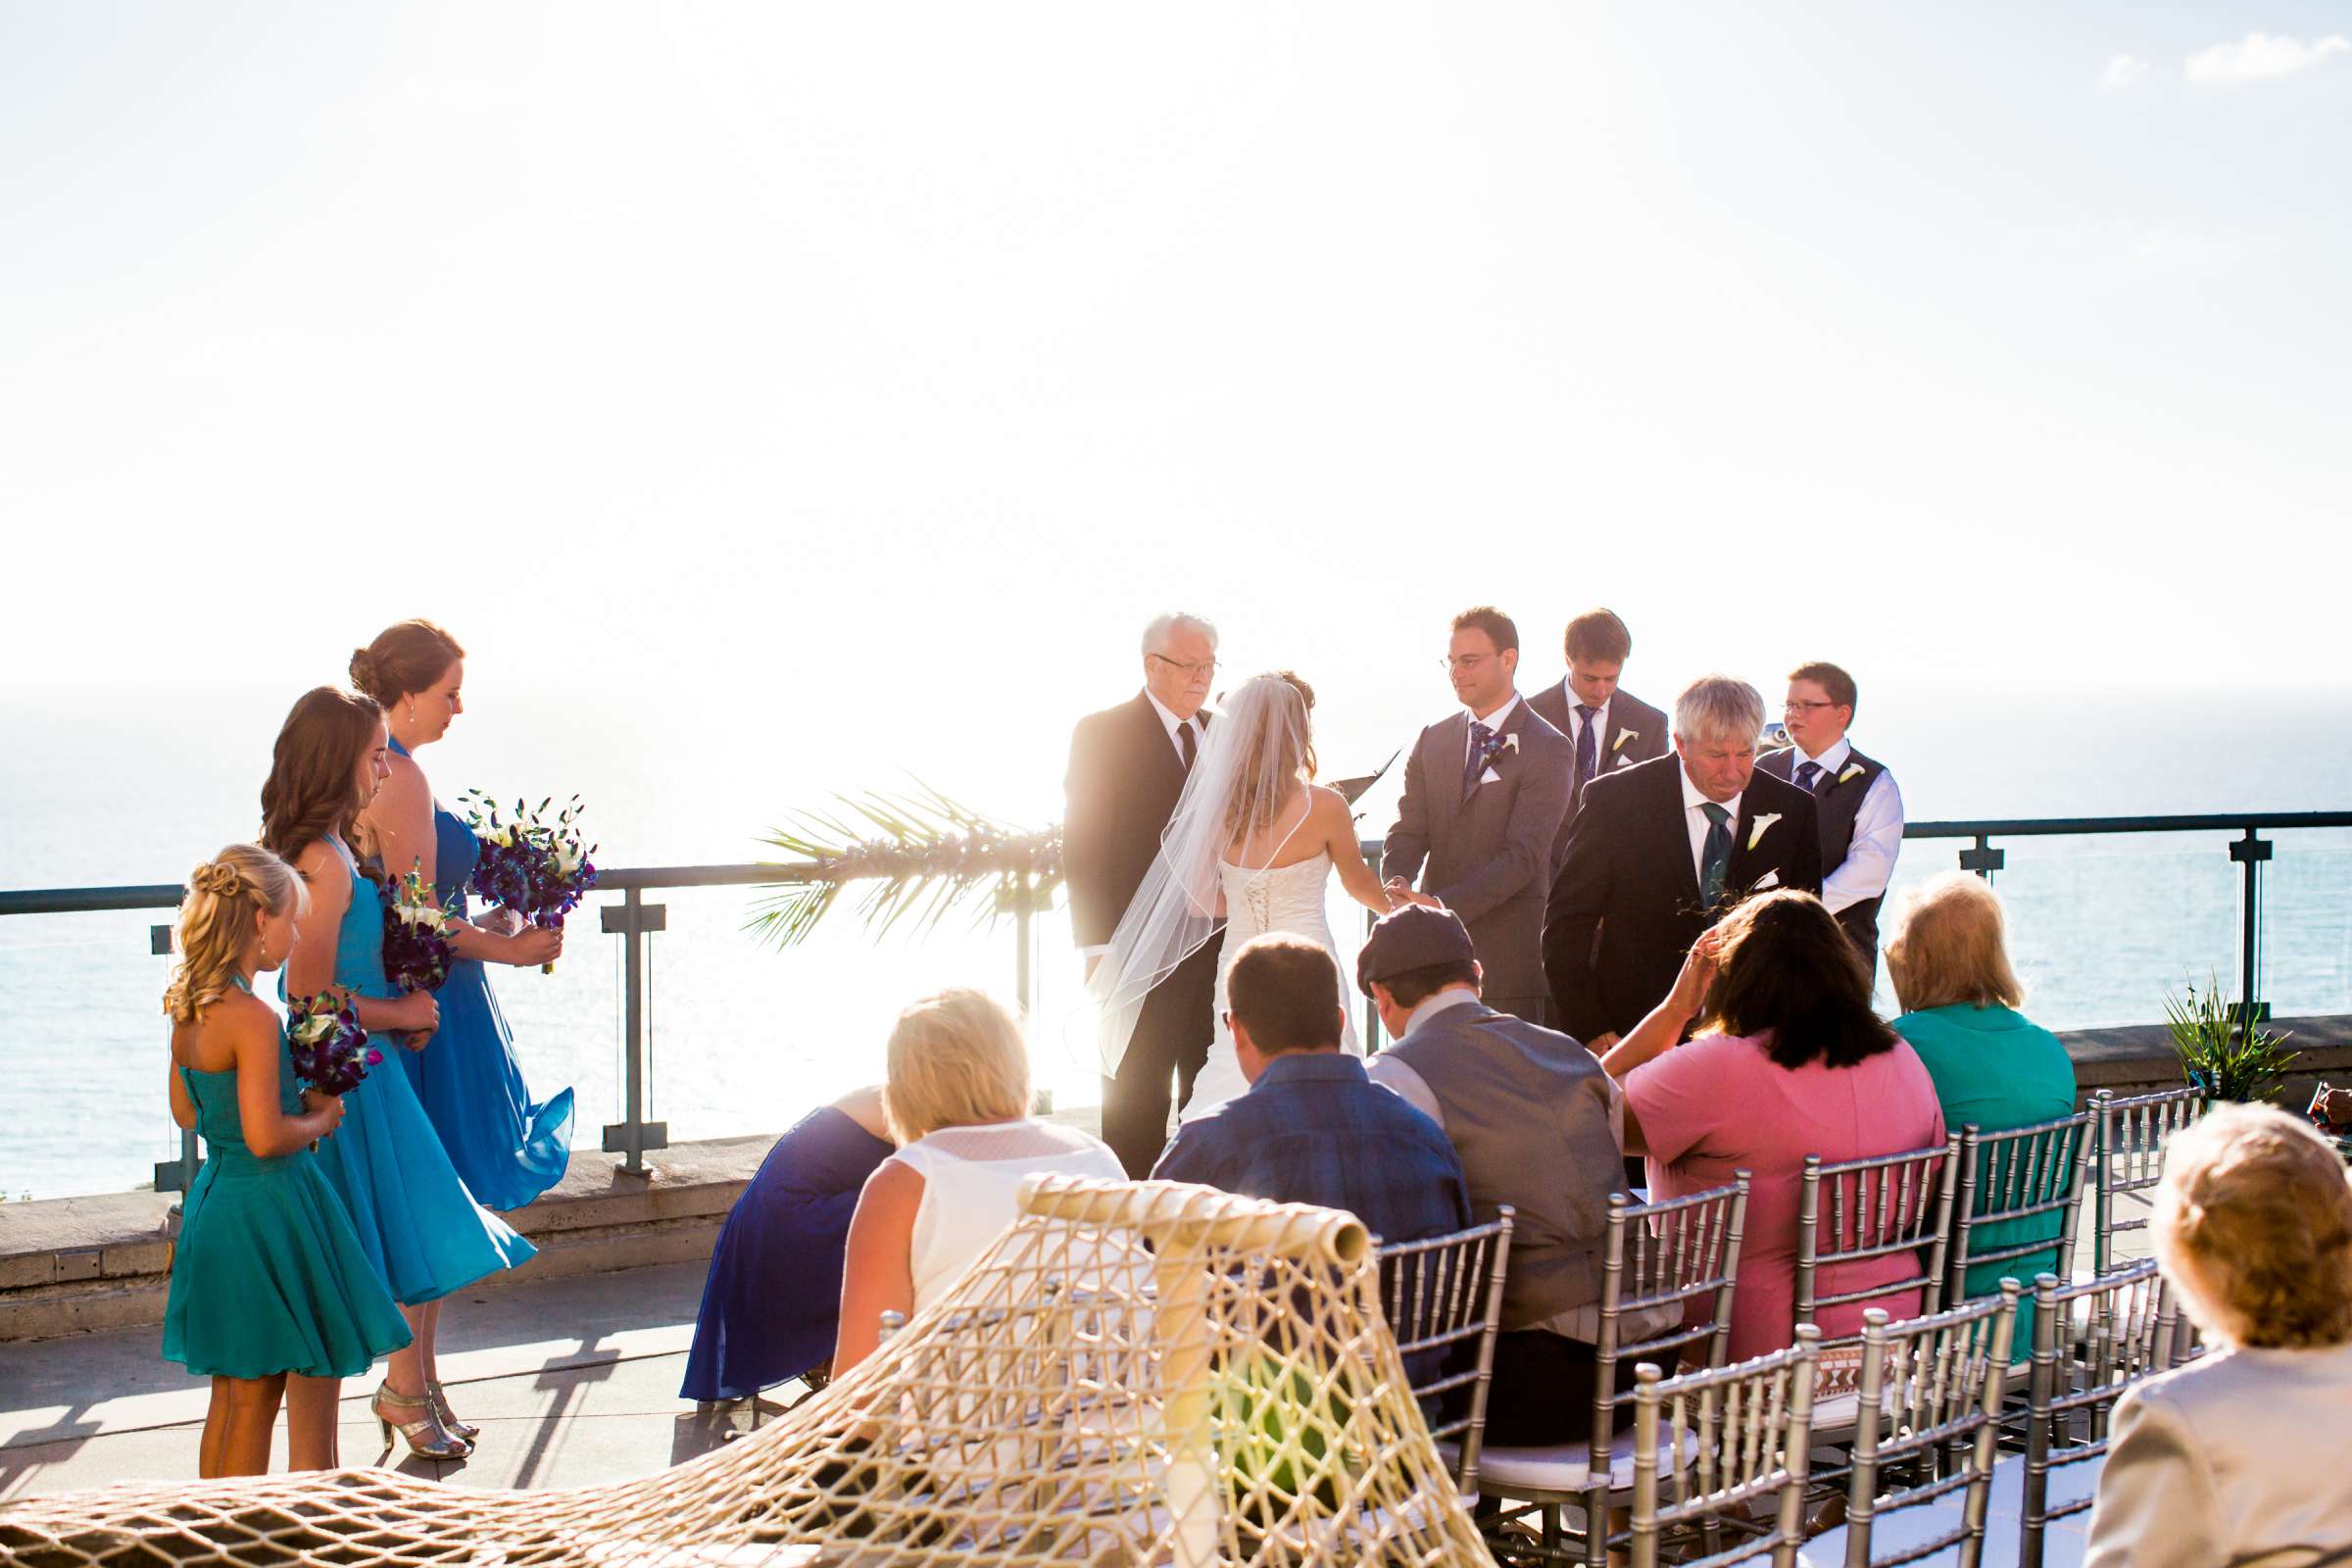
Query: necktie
1586,747
1715,855
1480,734
1808,776
1187,741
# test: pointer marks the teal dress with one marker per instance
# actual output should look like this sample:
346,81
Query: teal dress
508,1147
1993,1069
268,1275
419,1226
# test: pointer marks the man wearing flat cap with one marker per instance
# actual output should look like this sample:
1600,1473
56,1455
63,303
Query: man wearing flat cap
1538,1126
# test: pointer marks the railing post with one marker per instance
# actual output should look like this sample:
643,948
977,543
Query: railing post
2250,851
174,1175
1983,859
1024,892
1371,1012
633,919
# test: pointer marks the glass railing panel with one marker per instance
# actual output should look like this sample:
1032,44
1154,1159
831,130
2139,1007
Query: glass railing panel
2307,923
566,1025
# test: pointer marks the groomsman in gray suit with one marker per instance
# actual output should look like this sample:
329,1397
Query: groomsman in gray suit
1484,789
1606,726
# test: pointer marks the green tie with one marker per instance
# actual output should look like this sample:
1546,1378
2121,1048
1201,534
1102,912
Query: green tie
1715,855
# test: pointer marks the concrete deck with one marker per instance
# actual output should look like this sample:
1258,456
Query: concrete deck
573,1380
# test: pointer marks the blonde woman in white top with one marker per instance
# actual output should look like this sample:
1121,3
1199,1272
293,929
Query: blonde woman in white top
956,1096
2239,1457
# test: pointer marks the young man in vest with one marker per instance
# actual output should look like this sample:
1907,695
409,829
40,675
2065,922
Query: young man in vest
1538,1126
1859,809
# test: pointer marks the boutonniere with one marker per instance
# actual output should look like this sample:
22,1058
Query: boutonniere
1854,771
1756,831
1623,735
1510,742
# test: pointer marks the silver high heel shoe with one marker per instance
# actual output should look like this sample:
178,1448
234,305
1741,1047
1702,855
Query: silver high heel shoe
448,1417
411,1416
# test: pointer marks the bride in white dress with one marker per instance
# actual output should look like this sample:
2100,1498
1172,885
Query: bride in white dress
1252,842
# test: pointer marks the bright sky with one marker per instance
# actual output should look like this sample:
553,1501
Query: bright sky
892,363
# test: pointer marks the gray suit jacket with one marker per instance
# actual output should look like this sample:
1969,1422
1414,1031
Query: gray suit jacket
2237,1457
1486,854
1638,733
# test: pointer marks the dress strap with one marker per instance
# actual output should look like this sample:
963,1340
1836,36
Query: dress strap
1284,842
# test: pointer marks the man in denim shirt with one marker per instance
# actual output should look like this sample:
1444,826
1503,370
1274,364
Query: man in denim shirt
1313,1129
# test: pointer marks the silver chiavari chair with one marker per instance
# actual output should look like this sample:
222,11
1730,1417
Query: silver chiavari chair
2013,1176
1888,1205
1441,1294
1930,1406
1658,1259
2091,1342
1710,1447
2131,1160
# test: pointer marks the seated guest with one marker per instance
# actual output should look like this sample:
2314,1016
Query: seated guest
1950,967
1313,1129
1534,1122
2240,1455
1857,809
956,1097
772,1301
1794,1063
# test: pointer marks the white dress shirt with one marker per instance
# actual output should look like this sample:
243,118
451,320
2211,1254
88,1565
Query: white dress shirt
1868,862
1600,727
1170,722
1492,721
1695,819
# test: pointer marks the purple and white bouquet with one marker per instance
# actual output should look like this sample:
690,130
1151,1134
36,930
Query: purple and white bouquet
537,865
417,950
331,1050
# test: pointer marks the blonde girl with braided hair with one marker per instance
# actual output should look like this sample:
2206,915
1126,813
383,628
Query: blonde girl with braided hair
420,1226
272,1296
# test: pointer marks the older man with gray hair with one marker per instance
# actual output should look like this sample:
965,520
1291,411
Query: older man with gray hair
1659,851
1127,770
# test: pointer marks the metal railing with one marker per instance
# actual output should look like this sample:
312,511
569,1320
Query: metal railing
635,919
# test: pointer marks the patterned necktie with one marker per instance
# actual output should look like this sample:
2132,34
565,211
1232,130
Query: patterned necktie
1808,776
1715,855
1586,746
1187,741
1476,765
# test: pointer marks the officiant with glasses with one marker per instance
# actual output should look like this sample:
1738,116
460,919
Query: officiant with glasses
1856,805
1128,765
1484,789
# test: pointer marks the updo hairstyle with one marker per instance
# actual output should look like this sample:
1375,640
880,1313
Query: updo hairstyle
217,919
406,658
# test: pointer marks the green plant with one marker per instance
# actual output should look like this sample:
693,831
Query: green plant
2218,1054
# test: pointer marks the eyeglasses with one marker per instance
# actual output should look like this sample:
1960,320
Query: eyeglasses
1792,705
1206,668
1466,664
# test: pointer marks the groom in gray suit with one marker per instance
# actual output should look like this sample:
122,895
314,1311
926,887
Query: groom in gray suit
1485,791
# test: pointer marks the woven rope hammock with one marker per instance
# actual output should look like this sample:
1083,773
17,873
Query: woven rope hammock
1134,1374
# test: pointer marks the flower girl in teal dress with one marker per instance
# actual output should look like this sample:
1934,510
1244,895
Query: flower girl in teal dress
419,1226
272,1296
508,1147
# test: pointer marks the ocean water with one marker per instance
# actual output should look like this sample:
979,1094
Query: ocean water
745,1038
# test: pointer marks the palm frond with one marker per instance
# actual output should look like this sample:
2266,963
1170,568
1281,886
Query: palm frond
923,854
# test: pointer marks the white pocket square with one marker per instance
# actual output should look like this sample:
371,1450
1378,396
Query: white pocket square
1624,762
1489,777
1770,879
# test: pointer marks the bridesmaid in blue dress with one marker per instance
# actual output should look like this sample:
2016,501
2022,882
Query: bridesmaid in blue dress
420,1227
272,1296
509,1148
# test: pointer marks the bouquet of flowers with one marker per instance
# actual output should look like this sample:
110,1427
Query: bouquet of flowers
331,1050
417,950
532,863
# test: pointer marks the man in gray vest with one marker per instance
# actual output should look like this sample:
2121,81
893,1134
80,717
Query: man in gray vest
1855,801
1538,1126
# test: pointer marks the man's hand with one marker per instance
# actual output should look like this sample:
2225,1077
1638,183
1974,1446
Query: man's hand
1599,1045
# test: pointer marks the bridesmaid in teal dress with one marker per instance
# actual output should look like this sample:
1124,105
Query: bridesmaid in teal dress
420,1227
272,1296
509,1148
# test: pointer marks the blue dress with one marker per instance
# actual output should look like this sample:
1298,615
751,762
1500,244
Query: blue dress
772,1301
420,1227
268,1275
508,1149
